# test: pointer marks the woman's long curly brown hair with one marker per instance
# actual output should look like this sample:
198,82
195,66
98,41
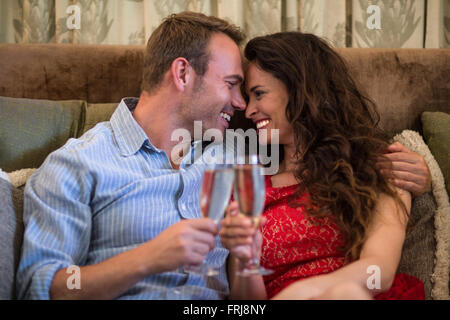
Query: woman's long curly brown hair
336,131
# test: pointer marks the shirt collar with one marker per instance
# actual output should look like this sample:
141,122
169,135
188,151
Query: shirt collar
129,135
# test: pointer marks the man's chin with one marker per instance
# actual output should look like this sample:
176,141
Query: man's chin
219,128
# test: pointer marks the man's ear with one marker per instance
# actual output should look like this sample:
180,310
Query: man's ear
181,72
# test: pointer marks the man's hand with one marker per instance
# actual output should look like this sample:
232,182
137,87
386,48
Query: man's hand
184,243
409,169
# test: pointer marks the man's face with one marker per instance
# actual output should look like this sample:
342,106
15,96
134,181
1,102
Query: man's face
216,95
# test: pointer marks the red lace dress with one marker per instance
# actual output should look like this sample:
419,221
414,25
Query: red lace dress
295,248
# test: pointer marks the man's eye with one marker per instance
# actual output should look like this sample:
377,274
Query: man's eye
231,84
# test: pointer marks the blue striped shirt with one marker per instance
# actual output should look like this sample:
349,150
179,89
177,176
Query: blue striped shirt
105,193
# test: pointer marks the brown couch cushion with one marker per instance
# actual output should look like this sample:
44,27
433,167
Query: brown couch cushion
95,73
403,83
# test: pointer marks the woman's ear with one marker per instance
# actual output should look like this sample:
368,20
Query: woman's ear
181,72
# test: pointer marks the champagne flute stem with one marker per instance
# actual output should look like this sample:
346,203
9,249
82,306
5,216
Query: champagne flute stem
254,260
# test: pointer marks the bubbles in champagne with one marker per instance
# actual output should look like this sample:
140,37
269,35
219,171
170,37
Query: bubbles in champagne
216,192
249,189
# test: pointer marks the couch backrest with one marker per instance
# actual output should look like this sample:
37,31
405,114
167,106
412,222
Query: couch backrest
94,73
403,82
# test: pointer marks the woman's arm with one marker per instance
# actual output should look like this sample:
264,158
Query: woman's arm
244,288
382,250
237,236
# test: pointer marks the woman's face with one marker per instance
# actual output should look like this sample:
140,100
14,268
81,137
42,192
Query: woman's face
268,99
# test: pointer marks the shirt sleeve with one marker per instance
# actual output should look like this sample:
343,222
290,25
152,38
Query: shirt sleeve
57,220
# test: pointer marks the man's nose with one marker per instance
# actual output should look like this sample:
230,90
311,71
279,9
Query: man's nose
238,102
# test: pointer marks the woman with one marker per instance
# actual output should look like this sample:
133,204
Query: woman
331,217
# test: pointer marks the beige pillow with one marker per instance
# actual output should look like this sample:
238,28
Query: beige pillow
18,178
415,257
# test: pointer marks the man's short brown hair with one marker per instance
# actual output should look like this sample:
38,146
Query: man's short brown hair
186,35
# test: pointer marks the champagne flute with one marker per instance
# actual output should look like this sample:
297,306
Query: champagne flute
214,198
249,191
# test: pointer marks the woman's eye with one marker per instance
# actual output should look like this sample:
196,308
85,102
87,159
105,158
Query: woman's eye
258,94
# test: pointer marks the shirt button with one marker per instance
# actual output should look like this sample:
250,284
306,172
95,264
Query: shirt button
183,207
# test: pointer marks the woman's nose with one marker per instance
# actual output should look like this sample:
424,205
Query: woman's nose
251,110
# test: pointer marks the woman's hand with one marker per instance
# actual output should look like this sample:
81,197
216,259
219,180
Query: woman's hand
238,233
305,289
318,288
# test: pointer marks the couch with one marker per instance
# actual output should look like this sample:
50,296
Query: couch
52,92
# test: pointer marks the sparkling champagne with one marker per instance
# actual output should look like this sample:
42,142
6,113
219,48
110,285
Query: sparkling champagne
249,189
216,192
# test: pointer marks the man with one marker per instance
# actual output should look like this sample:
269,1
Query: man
115,203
